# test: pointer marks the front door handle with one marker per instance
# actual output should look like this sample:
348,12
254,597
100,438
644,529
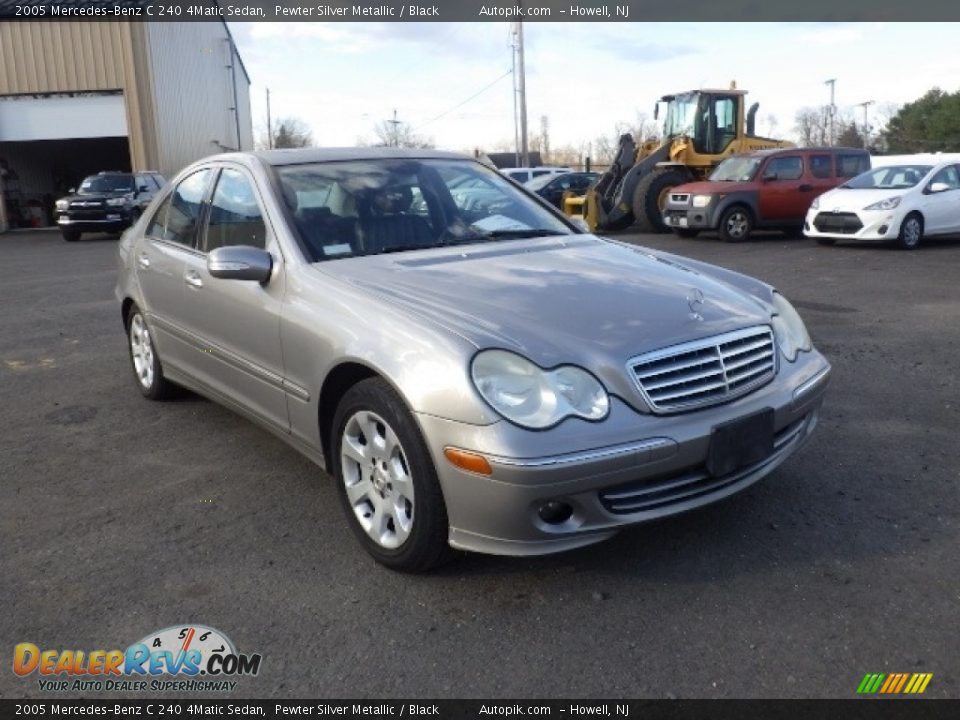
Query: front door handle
143,260
193,279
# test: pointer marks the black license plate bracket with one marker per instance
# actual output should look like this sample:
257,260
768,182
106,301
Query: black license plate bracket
740,442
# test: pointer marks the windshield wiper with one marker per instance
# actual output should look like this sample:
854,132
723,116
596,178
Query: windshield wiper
403,248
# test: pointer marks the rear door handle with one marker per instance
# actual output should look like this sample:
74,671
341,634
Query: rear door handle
193,278
143,260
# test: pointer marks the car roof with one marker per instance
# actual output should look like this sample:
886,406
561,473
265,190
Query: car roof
299,156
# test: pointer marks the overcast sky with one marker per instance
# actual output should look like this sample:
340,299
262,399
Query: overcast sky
341,79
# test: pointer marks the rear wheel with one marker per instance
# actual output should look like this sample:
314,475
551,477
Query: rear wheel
735,224
686,232
70,235
911,232
386,479
650,198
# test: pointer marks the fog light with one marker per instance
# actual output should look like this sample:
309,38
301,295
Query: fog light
698,218
883,229
555,512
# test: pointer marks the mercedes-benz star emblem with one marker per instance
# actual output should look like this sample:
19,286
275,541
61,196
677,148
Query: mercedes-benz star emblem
695,301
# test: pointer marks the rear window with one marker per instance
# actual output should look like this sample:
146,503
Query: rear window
852,165
821,166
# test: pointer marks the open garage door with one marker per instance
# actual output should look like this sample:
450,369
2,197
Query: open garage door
49,143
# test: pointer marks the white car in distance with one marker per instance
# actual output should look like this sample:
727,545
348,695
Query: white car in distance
899,203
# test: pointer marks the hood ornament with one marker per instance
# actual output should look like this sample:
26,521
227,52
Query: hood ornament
695,301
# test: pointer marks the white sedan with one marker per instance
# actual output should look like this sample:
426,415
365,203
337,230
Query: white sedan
898,203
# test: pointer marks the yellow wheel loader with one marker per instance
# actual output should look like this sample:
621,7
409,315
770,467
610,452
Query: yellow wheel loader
701,128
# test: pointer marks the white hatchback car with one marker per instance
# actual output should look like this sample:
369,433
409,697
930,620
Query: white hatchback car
900,203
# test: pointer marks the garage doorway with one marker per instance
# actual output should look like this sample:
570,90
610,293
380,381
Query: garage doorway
49,143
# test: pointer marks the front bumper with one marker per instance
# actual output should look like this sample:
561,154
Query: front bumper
684,215
110,222
850,225
628,469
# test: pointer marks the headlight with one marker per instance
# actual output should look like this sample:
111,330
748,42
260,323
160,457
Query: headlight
116,202
535,398
701,200
791,333
888,204
815,204
63,205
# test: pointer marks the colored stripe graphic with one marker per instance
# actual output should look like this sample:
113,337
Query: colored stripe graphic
894,683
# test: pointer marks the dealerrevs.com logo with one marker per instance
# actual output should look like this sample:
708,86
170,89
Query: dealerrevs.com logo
178,658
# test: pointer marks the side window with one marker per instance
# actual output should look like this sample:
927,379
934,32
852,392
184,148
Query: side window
949,176
158,181
176,218
852,165
820,166
784,168
520,176
235,216
541,173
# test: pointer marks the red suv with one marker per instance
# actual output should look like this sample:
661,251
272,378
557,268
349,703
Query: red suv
761,190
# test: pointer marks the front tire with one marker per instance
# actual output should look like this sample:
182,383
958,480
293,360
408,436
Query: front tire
144,359
649,198
736,224
386,479
911,232
70,235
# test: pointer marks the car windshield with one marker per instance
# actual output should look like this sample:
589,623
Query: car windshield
893,177
370,207
106,184
736,169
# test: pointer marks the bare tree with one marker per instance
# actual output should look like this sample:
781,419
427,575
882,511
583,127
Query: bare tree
291,132
812,125
395,133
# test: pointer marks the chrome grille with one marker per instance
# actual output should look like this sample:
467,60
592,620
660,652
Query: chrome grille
679,197
706,372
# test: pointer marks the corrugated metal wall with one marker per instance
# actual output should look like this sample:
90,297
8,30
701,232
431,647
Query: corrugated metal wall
193,93
52,57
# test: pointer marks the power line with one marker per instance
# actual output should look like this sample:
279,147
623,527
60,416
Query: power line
461,104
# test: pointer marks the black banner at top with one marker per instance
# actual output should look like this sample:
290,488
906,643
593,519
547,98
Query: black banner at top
480,11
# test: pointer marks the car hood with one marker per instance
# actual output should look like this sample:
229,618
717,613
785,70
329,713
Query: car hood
706,187
93,197
848,200
576,299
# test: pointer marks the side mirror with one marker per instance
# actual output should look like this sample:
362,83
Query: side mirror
938,187
240,262
143,188
656,110
768,177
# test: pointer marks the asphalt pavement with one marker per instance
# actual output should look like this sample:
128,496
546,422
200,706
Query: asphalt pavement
120,517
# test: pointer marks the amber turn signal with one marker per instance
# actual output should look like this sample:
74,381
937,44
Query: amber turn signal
471,462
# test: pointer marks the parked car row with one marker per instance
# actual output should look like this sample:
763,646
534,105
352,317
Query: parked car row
829,194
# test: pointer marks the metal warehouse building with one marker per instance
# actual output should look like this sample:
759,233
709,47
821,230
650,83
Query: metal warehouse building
84,96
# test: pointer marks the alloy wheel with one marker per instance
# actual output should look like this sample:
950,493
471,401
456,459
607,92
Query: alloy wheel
141,350
377,479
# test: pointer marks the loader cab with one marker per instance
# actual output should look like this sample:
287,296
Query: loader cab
712,119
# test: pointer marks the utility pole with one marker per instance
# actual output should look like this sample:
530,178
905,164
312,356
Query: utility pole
544,139
516,119
832,109
524,149
269,125
395,123
866,123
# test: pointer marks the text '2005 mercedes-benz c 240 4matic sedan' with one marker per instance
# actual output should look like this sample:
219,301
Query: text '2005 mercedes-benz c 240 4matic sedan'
474,371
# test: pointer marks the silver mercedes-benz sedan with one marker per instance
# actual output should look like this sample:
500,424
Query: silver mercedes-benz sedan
474,371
